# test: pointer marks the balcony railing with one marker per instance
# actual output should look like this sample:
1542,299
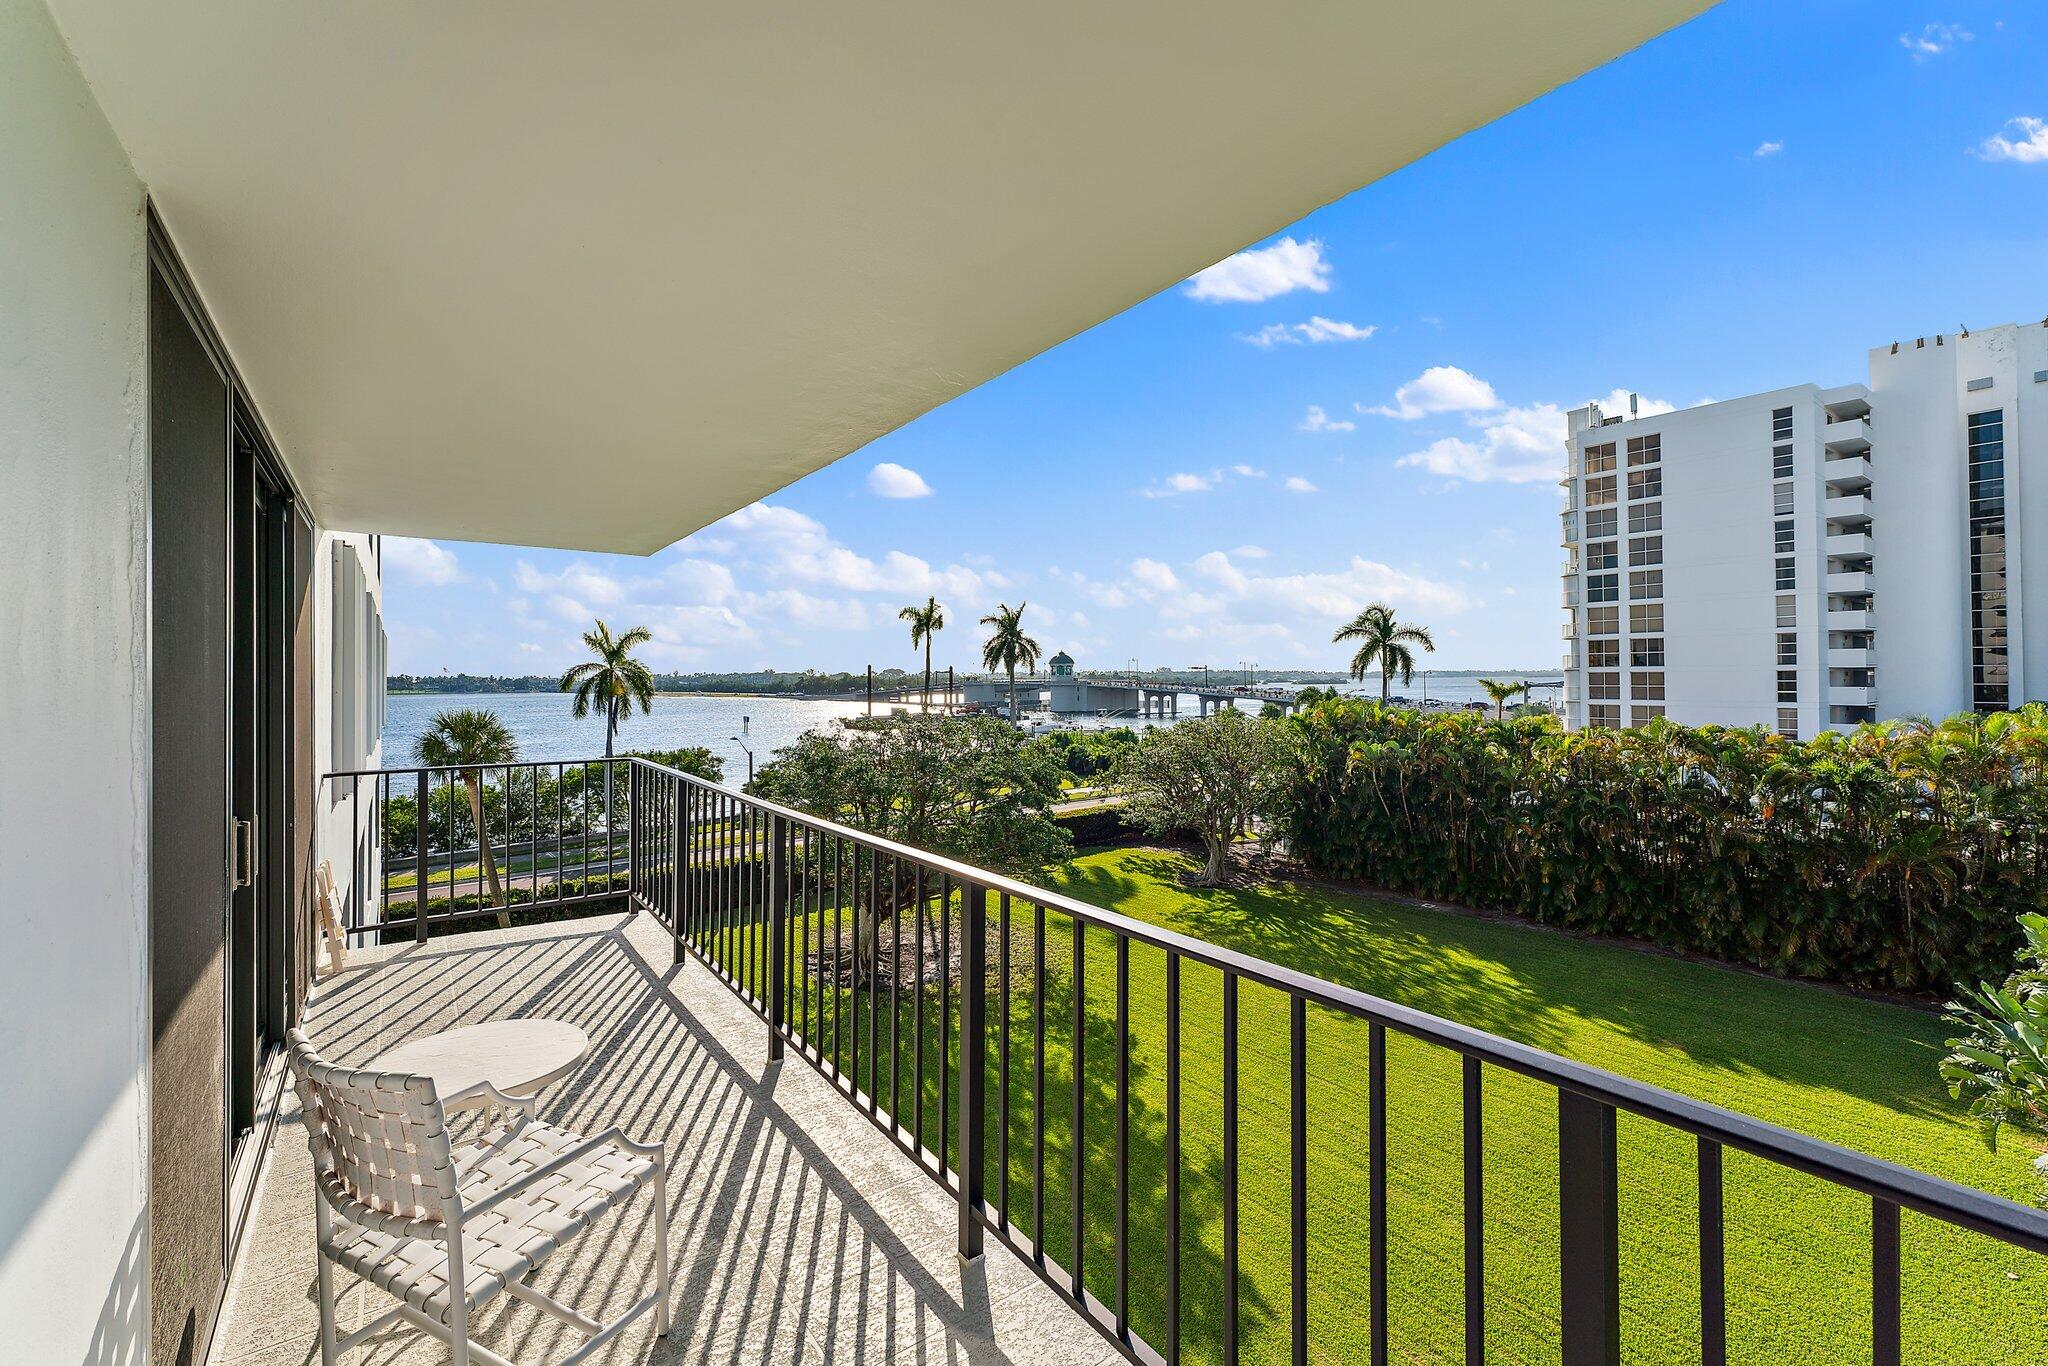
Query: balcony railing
926,991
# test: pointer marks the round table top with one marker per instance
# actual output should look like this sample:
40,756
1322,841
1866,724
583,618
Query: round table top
516,1056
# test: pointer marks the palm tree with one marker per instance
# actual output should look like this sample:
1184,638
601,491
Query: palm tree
470,737
925,622
1502,694
1385,643
613,681
1009,647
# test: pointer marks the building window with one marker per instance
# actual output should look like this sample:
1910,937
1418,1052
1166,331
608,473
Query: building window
1608,716
1646,652
1603,621
1788,647
1788,722
1603,687
1603,654
1788,685
1647,687
1603,588
1782,536
1600,555
1645,517
1645,450
1990,666
1781,500
1600,492
1599,458
1638,717
1599,524
1647,483
1781,424
1788,576
1781,462
1646,583
1648,550
1646,618
1788,610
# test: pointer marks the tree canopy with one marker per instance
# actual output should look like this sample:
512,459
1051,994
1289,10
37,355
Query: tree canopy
1210,776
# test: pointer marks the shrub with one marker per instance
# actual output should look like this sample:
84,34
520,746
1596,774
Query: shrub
1999,1065
1898,856
397,926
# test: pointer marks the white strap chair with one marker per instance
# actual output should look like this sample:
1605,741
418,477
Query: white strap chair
445,1227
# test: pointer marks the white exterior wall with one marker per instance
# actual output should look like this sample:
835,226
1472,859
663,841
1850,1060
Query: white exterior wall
1720,595
74,711
1719,582
349,609
1921,393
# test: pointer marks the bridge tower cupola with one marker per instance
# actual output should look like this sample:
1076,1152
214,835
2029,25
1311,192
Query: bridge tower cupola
1062,665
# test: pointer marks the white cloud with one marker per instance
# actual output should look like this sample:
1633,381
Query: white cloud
1319,421
1296,484
1176,484
421,562
1616,403
2028,143
1934,40
1247,472
1154,575
1315,331
1253,276
1439,389
576,583
1515,445
890,480
1768,149
1250,552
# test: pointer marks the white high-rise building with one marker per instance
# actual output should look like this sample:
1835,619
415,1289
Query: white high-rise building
1812,557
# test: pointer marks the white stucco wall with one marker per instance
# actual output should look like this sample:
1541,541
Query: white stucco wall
73,715
344,826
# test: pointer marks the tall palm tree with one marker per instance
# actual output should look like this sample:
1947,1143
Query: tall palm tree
925,622
613,681
1009,647
1502,694
471,738
1384,641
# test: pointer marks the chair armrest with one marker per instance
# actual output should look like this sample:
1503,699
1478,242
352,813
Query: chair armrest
485,1091
609,1138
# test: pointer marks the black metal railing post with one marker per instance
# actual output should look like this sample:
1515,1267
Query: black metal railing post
1589,1231
679,849
633,808
419,863
973,1061
778,905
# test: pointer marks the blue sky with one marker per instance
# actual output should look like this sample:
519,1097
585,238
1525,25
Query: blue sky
1369,404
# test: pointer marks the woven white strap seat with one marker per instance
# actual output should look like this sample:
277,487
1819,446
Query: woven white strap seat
509,1240
415,1215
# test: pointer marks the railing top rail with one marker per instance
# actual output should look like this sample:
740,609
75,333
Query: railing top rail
1934,1196
1937,1197
467,768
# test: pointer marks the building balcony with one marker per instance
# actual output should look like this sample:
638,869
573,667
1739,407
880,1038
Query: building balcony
1851,619
1841,695
1571,594
1852,400
829,1206
1853,583
1849,545
1851,436
1851,658
1847,509
1847,474
1571,628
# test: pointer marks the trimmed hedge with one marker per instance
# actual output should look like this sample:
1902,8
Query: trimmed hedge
1898,857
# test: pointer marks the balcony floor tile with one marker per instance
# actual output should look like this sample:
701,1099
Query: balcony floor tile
797,1232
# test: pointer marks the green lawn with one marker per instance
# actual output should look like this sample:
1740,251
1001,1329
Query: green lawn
1854,1071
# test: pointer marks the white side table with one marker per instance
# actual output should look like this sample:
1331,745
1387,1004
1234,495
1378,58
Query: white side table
518,1057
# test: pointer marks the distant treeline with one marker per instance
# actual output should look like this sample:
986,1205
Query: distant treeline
760,681
853,684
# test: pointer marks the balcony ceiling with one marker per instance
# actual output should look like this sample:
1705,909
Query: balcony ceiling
595,275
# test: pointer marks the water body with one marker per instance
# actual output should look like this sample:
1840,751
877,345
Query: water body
546,731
